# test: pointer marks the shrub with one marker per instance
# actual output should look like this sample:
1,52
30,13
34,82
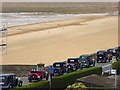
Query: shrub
78,86
70,78
35,86
116,65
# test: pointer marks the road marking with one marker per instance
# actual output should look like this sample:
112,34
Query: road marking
106,65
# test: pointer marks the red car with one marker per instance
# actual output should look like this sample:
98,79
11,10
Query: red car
37,75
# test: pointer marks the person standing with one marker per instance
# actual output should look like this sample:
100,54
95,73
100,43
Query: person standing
46,74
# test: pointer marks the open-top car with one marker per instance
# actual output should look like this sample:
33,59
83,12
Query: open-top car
102,56
73,64
59,68
8,81
37,75
87,60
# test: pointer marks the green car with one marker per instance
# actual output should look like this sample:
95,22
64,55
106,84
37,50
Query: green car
87,60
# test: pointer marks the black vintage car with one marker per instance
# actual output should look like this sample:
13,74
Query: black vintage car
59,68
8,81
87,60
112,52
73,64
102,56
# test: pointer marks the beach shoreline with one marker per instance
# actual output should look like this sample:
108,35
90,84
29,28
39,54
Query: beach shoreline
21,29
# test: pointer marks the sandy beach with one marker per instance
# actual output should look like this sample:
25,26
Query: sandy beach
56,41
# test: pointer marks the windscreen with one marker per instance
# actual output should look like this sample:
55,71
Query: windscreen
72,60
57,65
101,53
2,78
110,50
83,57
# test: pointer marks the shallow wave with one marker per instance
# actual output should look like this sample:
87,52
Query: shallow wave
14,19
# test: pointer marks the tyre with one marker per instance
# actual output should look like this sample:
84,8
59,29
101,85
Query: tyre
10,86
20,84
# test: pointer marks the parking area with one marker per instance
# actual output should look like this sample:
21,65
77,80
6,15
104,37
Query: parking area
106,66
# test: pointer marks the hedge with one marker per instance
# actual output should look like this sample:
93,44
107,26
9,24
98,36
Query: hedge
35,86
70,78
116,65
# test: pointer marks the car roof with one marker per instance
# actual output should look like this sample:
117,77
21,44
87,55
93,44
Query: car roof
72,58
85,55
112,48
59,62
7,74
102,51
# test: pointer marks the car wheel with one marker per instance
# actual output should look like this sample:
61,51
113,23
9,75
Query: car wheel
20,84
10,86
75,68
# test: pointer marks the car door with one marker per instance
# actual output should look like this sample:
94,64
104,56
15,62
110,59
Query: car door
10,80
13,77
88,60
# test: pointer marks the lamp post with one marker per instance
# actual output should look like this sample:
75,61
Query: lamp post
113,72
115,80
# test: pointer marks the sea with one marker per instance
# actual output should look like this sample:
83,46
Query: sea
16,19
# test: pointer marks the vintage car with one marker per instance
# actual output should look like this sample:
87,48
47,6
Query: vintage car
102,56
37,75
8,81
87,60
59,68
73,64
112,53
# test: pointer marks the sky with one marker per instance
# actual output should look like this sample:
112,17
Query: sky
59,0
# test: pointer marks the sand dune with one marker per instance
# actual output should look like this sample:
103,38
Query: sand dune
57,44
